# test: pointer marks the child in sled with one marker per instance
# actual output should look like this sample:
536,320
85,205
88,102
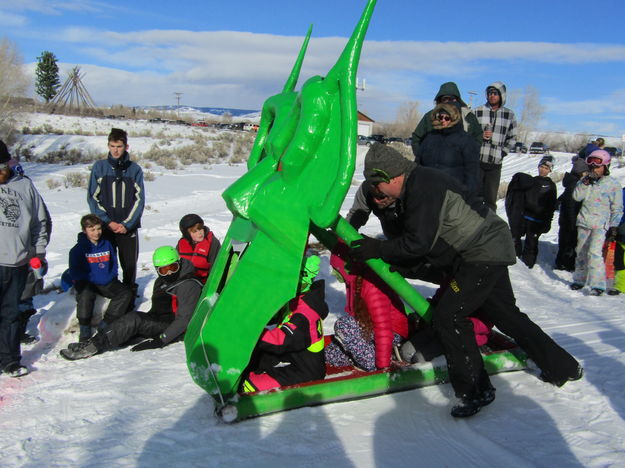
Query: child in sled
198,244
292,352
375,321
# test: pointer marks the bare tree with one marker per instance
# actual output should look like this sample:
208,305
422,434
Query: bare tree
13,83
531,112
406,121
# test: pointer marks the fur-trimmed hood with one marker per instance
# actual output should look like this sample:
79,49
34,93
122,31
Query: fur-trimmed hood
449,109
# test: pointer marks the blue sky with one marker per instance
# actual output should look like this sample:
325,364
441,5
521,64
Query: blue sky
236,54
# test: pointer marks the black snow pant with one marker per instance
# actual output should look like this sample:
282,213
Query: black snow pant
127,252
527,250
567,243
86,293
130,325
488,183
488,288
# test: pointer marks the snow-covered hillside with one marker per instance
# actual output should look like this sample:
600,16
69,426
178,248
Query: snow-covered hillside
142,409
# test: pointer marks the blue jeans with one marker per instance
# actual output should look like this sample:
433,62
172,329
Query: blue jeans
12,281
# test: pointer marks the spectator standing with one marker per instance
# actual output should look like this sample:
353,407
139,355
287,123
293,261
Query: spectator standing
530,204
569,209
23,236
449,148
447,94
500,131
601,212
116,195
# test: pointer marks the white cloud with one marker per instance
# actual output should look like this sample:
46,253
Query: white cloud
10,20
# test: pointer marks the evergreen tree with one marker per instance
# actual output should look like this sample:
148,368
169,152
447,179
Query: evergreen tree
47,82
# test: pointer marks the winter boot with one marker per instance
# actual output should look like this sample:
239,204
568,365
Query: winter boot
576,286
595,292
470,405
82,351
613,292
15,369
25,338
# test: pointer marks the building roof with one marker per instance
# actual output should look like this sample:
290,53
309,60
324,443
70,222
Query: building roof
364,118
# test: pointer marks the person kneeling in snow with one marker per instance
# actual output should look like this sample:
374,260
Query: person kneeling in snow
292,352
175,294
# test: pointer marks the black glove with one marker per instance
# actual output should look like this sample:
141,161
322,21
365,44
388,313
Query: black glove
148,344
612,233
590,179
364,249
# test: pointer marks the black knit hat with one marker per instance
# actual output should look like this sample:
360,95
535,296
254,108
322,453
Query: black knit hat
383,163
4,153
187,221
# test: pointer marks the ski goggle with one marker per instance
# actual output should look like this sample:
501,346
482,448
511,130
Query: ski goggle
594,161
170,269
443,117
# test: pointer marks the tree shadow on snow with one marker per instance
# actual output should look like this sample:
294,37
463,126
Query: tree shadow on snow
294,438
514,430
605,373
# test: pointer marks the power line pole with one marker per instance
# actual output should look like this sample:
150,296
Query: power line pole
471,94
178,98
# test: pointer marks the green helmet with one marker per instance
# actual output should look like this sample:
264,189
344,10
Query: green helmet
165,255
310,270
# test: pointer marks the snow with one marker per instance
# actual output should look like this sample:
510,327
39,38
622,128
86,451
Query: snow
142,409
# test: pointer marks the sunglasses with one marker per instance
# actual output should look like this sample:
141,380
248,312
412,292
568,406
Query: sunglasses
167,270
594,161
445,99
443,117
493,92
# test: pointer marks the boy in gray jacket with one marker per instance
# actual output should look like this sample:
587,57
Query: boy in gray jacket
23,235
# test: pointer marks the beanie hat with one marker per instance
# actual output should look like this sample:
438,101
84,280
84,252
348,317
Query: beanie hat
548,162
383,163
187,221
4,153
579,166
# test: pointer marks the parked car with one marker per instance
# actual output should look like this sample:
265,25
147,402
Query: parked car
392,140
364,140
520,147
538,147
614,152
378,138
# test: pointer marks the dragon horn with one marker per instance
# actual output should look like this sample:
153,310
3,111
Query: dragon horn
292,80
348,61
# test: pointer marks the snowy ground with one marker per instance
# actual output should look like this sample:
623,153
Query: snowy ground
142,409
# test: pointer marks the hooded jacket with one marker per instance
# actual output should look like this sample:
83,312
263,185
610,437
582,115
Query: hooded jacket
116,192
23,222
503,124
451,150
95,263
470,123
602,205
446,227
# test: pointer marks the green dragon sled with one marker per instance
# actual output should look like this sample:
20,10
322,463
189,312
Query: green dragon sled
299,172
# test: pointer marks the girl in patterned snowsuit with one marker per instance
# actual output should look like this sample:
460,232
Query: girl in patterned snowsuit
601,211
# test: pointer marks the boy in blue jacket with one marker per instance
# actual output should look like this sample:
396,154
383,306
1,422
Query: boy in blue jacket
93,271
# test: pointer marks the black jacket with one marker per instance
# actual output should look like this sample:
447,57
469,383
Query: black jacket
530,199
445,226
174,298
452,151
569,208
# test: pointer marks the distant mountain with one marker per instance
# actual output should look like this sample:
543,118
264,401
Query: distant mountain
211,110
